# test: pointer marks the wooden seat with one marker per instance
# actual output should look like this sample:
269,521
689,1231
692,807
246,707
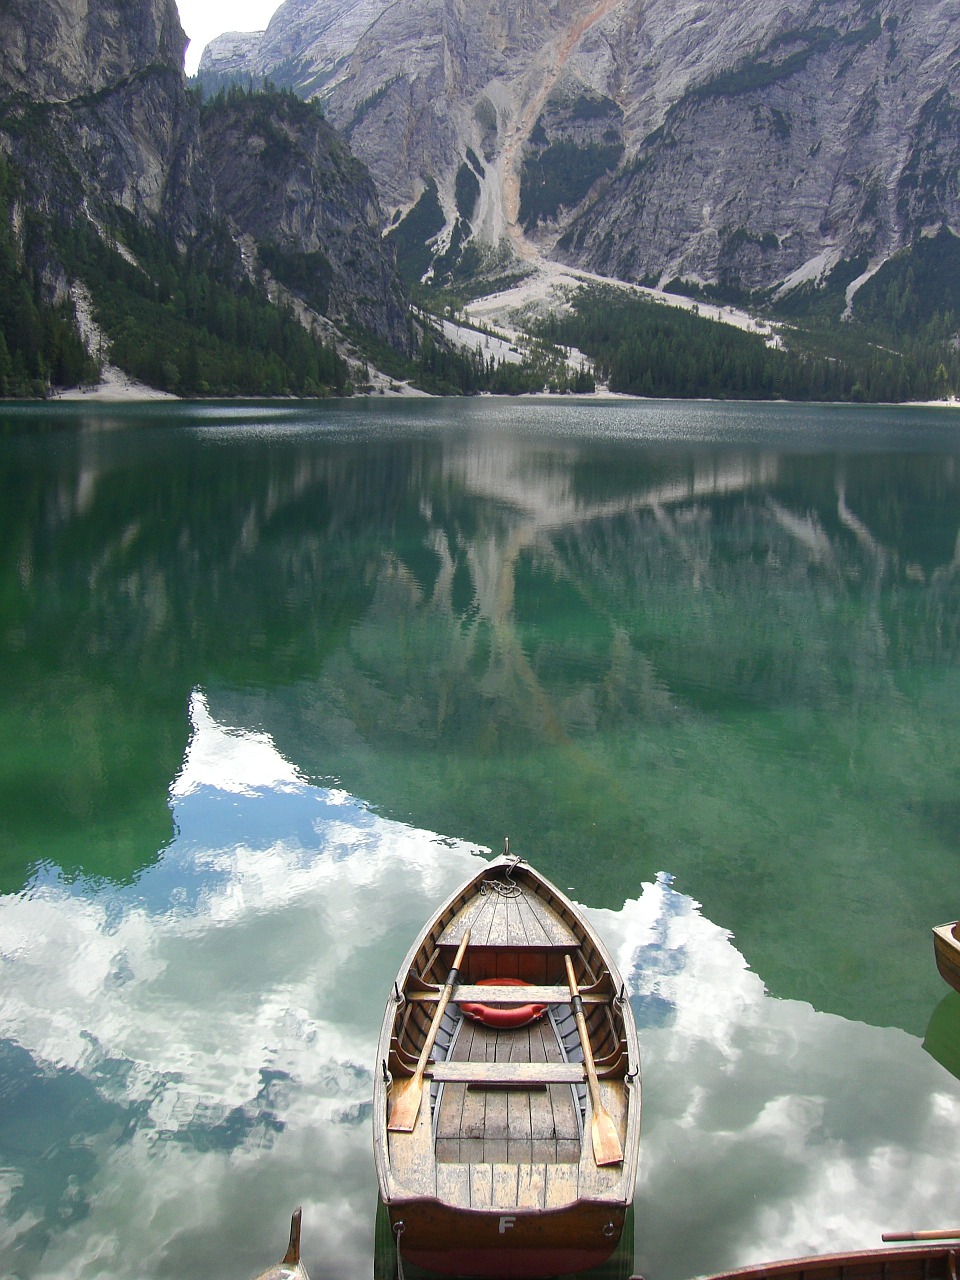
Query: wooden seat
529,994
520,1074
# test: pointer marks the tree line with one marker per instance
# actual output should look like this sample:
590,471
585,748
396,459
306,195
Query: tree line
40,345
641,347
176,323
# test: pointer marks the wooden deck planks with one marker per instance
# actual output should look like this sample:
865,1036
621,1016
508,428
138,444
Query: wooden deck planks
505,1125
508,920
453,1183
563,1185
506,1179
519,1143
481,1186
536,934
411,1155
543,1133
474,1105
559,933
596,1179
531,1186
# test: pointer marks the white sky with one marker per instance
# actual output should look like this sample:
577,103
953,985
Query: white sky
204,19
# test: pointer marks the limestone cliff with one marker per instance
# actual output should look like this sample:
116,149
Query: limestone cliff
102,132
285,179
96,113
747,143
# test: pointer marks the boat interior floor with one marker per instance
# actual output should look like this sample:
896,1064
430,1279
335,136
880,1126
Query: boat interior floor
535,1124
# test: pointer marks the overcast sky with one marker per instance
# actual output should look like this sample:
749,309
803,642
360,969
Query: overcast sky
204,19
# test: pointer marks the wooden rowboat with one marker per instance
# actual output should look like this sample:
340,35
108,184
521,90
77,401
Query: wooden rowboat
929,1262
290,1268
946,946
507,1091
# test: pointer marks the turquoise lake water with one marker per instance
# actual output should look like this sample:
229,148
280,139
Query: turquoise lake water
274,679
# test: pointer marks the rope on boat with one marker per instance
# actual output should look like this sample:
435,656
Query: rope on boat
507,887
397,1233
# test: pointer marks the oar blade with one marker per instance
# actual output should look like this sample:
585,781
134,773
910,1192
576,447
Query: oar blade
407,1094
606,1142
406,1105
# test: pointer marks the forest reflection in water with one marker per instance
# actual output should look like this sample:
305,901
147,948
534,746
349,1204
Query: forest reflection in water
693,658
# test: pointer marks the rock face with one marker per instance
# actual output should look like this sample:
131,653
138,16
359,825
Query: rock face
98,114
834,139
99,125
748,143
303,47
285,179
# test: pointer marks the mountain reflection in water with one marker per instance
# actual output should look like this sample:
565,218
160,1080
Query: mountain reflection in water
251,657
199,1044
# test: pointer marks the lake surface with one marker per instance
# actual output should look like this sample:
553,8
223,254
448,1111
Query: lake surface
275,678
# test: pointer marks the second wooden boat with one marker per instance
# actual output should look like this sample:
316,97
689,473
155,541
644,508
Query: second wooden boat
290,1267
930,1261
507,1092
946,946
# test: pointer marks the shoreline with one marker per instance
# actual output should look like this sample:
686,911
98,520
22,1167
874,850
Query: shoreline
125,390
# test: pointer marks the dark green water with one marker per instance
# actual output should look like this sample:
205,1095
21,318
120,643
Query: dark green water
273,678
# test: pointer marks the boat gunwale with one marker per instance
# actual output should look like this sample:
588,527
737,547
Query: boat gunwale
946,948
812,1265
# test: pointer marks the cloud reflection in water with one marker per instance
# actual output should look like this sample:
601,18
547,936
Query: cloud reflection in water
199,1046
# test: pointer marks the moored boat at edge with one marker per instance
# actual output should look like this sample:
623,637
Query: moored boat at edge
930,1261
946,946
507,1091
290,1267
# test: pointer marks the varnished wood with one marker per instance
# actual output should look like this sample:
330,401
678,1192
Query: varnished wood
891,1236
290,1268
530,994
507,1073
408,1094
931,1262
946,945
500,1144
606,1143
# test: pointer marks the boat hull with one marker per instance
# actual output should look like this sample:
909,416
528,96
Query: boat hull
946,945
929,1262
511,1245
500,1176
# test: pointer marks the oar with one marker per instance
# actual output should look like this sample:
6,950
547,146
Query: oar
606,1144
890,1236
407,1094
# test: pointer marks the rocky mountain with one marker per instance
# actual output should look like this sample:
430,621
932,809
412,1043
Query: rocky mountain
305,207
103,138
95,112
304,47
749,144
